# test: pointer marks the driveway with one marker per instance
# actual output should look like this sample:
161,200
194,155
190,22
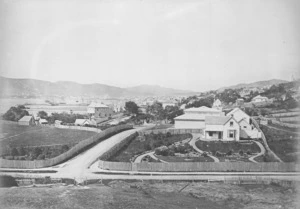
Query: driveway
262,152
193,144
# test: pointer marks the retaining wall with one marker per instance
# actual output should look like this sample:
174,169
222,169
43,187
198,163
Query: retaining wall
65,156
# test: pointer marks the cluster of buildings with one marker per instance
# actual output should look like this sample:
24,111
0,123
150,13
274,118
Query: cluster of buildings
217,125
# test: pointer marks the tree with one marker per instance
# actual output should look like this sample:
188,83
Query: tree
42,114
15,113
14,152
131,107
21,151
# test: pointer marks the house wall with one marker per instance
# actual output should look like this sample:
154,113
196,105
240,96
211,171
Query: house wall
215,135
101,112
245,126
205,113
181,124
227,128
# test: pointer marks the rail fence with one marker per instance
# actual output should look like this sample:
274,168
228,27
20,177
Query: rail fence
289,125
200,167
65,156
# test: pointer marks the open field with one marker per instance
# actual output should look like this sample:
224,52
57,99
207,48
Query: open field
151,195
151,141
14,135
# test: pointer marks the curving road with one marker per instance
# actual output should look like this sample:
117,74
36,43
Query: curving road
262,152
193,144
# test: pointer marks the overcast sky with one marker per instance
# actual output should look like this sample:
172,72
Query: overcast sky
184,44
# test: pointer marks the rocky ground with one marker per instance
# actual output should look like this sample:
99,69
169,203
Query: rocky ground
121,194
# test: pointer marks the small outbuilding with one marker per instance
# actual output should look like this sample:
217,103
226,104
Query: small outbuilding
27,120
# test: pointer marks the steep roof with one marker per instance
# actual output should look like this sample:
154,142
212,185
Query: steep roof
216,120
26,118
202,109
193,117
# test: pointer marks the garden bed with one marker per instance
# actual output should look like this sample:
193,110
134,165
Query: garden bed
146,143
185,159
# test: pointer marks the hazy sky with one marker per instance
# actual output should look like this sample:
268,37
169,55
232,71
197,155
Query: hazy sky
196,45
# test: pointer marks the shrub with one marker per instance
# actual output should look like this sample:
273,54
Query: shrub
248,152
204,154
241,152
14,152
41,157
21,151
229,153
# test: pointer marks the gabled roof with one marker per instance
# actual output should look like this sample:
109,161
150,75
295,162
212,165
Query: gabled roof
260,97
216,120
235,110
94,104
191,117
80,121
26,118
202,109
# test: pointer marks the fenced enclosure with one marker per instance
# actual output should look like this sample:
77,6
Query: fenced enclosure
22,164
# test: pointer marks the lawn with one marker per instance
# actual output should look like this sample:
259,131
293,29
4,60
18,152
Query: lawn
184,159
225,147
282,143
149,142
14,135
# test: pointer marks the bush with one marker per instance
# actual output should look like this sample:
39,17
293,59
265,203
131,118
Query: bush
229,153
204,154
14,152
41,157
241,152
21,151
248,152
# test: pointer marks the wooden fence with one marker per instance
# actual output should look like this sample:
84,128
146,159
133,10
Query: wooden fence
289,125
288,114
200,167
171,131
22,164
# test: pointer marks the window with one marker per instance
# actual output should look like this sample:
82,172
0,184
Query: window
245,126
231,134
210,133
231,123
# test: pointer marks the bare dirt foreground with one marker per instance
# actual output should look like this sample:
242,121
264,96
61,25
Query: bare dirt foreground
121,194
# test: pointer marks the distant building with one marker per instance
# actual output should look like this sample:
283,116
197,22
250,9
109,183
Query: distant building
217,105
259,98
99,110
27,121
168,103
240,102
43,121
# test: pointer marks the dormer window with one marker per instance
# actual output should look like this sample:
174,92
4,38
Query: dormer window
231,123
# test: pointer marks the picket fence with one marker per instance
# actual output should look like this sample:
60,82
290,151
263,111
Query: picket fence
22,164
200,167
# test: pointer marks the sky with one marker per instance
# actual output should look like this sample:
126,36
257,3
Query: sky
184,44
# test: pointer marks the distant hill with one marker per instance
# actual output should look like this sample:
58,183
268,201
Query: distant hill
36,88
255,84
157,90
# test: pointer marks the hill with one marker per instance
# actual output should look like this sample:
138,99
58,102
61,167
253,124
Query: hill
258,84
37,88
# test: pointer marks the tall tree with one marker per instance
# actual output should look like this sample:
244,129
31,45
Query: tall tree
15,113
131,107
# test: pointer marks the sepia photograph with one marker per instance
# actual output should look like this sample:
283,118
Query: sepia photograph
149,104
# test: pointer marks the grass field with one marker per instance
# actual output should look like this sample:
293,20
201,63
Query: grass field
14,135
225,147
151,195
150,143
283,144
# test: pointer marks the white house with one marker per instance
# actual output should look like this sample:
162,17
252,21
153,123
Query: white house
217,105
221,127
99,110
239,114
259,98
